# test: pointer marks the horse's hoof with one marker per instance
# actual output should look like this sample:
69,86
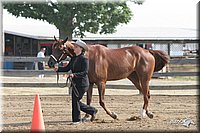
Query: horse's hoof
86,117
114,115
150,115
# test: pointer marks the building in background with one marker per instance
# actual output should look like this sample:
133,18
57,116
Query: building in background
17,44
175,41
23,45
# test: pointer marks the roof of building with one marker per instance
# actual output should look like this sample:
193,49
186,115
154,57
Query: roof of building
28,35
149,33
143,33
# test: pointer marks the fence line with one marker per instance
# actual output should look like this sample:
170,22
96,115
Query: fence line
10,72
24,59
50,72
109,86
35,59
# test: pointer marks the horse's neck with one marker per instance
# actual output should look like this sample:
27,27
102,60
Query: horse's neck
87,55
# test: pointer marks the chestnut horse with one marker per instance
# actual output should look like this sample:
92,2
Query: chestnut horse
135,63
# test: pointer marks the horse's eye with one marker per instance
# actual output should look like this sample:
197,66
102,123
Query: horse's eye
60,47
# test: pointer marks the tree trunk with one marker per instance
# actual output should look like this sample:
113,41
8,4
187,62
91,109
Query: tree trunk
65,33
67,29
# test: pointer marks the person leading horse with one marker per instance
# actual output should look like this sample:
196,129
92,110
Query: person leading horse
135,63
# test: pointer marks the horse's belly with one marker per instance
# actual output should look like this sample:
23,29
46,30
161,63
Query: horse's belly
117,75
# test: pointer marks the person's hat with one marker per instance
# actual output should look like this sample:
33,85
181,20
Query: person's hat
81,44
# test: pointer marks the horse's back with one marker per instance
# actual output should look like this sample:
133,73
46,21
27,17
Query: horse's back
99,52
114,64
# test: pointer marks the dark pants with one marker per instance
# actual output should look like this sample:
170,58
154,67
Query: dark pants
78,106
40,66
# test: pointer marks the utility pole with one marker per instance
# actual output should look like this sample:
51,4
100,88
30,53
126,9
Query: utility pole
1,33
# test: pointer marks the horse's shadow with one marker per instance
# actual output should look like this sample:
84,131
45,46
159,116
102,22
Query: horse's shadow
132,118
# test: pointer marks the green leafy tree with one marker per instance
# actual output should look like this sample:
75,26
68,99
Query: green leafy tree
75,18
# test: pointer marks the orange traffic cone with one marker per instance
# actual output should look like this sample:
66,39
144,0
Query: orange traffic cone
37,118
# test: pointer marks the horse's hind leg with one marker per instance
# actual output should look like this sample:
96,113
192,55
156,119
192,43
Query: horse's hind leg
146,95
101,89
133,77
145,79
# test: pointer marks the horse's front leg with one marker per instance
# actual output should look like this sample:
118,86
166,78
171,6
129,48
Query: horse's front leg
101,89
89,99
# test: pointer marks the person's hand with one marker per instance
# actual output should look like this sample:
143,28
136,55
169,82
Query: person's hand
65,76
71,75
56,67
65,63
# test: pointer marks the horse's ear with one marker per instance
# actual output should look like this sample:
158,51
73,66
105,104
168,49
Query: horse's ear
65,40
55,38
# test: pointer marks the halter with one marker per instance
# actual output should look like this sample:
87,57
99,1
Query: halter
68,82
69,79
58,60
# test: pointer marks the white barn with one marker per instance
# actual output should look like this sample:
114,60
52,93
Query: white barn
173,34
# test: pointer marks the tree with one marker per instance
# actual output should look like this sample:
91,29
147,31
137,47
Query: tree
75,18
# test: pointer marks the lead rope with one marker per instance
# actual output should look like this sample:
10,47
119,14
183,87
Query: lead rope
66,84
68,81
73,87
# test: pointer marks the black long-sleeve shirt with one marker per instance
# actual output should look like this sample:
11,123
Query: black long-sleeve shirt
79,65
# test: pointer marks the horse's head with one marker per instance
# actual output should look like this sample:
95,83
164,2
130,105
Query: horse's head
60,50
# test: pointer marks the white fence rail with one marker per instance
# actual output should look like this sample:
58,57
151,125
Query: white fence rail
10,72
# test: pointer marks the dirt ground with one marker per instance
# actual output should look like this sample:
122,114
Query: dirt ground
169,113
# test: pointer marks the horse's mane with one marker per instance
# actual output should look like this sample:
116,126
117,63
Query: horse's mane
69,44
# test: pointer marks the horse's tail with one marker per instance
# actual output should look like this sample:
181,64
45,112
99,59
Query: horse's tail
161,59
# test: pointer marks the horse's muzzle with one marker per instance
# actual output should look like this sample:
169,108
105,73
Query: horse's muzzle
51,63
